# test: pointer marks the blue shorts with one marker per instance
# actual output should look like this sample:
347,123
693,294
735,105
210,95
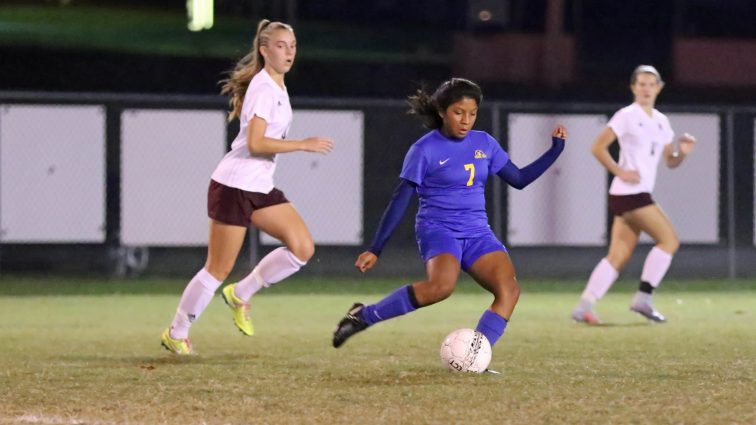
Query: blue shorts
432,242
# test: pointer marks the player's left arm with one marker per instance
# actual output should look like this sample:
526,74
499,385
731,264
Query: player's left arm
521,177
675,152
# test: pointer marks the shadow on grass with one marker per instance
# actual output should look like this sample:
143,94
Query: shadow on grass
145,362
626,325
617,325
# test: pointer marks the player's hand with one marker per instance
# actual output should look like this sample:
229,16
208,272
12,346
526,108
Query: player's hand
560,132
687,143
366,261
317,144
629,176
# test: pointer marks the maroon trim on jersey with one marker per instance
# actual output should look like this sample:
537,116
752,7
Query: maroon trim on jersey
620,204
234,206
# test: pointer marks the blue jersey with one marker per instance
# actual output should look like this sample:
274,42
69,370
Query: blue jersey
451,175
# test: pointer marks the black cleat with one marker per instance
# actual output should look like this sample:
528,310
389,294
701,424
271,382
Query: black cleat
349,325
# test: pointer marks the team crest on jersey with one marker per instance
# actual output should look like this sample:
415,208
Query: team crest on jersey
480,154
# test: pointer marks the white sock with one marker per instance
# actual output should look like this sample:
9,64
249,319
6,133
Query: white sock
602,278
641,298
197,295
273,268
656,266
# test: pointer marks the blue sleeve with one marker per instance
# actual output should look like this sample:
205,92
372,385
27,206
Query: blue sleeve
415,165
519,178
393,215
499,158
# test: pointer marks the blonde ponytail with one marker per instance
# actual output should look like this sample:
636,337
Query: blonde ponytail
238,81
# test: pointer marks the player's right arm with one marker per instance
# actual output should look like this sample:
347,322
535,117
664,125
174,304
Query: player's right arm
600,150
258,144
392,216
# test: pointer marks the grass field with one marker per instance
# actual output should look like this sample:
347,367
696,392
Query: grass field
87,352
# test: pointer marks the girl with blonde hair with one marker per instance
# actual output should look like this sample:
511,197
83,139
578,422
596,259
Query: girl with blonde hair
242,191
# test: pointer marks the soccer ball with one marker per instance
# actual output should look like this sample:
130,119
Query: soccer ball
466,350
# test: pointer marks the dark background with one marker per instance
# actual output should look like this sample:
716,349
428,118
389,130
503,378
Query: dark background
378,48
560,55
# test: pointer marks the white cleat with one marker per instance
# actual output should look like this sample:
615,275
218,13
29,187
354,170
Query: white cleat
648,311
588,317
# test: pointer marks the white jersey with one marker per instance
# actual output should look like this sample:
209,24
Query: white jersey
642,140
239,168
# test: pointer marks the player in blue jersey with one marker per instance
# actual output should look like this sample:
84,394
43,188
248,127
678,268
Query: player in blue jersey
447,169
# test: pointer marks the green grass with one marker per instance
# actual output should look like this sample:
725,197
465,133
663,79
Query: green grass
87,351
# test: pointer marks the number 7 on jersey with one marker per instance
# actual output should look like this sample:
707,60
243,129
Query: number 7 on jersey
471,168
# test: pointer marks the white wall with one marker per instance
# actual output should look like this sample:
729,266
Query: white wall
326,189
689,194
52,177
52,174
566,205
167,158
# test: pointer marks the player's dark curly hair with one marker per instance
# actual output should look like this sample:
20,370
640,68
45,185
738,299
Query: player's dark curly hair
427,107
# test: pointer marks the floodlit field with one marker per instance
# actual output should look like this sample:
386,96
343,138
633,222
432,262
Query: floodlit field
88,353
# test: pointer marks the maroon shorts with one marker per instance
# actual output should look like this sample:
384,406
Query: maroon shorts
234,206
620,204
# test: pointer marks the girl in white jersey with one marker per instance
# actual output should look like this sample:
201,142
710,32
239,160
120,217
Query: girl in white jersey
242,192
645,137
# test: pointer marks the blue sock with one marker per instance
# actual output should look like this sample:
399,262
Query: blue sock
397,303
492,326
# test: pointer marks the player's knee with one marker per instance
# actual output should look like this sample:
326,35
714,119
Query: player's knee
219,271
303,249
513,288
670,246
618,259
509,289
442,289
